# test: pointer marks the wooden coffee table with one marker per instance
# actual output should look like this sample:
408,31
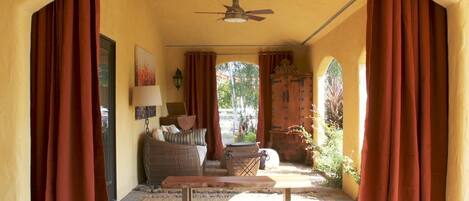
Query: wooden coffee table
187,183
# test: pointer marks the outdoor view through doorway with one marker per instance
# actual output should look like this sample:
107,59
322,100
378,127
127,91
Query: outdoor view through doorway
331,159
238,101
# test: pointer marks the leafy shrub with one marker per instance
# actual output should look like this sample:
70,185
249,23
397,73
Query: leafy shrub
350,169
328,157
250,137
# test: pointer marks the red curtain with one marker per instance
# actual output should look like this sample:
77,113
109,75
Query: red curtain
267,63
405,148
67,159
200,93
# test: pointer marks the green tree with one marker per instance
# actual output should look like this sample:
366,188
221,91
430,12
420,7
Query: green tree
224,95
238,89
240,79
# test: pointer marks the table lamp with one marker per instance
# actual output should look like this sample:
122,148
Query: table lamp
144,96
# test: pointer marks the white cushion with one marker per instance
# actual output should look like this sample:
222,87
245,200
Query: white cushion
158,135
170,129
202,150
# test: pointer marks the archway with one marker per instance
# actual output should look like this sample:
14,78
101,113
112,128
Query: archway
238,101
330,95
329,121
333,95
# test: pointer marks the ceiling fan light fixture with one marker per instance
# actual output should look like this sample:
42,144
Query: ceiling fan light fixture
235,18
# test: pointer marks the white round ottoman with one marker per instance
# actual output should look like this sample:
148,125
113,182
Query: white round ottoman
272,160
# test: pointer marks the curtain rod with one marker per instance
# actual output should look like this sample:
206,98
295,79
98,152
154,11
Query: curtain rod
228,46
237,54
253,53
247,53
328,21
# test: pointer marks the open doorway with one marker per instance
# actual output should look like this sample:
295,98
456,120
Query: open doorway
238,101
334,95
331,123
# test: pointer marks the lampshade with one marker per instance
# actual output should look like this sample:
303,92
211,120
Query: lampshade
146,96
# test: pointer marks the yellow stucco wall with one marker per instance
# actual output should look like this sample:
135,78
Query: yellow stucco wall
458,153
136,26
15,20
346,43
131,23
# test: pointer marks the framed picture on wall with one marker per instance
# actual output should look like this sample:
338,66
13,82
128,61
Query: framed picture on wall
145,66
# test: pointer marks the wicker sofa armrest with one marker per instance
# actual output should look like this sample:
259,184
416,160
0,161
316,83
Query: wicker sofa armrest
163,159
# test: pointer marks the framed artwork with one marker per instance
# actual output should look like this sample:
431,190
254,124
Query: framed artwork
145,66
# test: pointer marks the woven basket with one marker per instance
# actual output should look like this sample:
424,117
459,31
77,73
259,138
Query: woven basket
238,148
242,164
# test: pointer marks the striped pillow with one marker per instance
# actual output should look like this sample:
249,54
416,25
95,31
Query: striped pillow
192,137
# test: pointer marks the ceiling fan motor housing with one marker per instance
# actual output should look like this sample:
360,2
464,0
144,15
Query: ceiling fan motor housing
235,13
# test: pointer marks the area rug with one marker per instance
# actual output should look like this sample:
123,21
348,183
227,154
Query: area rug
320,192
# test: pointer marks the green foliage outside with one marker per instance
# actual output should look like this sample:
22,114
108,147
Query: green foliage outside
238,85
103,74
328,157
224,95
247,137
334,95
238,90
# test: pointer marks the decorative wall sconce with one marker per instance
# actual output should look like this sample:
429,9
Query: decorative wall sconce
177,78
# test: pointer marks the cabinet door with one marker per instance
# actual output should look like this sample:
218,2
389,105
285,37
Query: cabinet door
279,107
306,103
293,98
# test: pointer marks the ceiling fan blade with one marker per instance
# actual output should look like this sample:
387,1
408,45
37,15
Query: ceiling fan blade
256,18
216,13
260,12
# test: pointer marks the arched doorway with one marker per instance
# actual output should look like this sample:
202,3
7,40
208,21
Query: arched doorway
330,106
330,121
333,95
238,101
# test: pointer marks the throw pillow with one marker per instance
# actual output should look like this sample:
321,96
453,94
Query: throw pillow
158,135
170,129
191,137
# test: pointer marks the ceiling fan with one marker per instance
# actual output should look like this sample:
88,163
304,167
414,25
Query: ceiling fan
236,14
